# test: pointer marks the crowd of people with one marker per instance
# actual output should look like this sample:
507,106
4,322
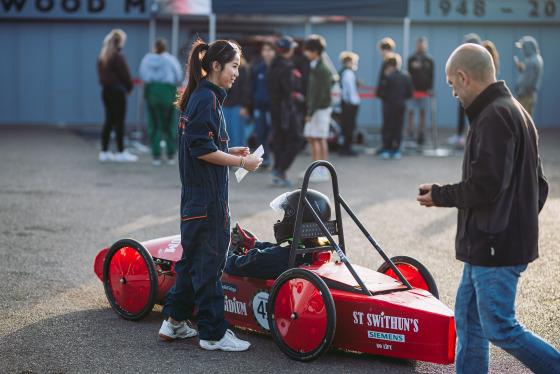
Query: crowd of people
500,191
284,99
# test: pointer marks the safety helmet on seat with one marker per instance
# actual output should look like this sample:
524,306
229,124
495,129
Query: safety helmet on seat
288,202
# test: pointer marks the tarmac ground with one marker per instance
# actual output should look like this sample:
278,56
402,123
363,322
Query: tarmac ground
59,207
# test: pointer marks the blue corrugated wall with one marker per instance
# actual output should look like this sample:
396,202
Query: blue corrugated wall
48,73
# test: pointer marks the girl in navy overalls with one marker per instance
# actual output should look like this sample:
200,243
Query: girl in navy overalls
204,158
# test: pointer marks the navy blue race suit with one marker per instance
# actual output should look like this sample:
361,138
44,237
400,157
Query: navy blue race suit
266,261
205,223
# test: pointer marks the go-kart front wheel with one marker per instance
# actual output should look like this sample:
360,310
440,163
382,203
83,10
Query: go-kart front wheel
301,315
130,279
413,271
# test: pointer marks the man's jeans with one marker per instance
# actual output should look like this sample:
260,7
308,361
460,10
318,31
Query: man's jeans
485,311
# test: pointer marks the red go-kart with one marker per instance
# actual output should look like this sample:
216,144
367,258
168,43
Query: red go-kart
393,311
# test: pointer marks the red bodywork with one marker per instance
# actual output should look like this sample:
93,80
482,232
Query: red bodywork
410,324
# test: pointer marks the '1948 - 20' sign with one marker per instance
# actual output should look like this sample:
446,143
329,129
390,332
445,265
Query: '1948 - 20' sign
485,10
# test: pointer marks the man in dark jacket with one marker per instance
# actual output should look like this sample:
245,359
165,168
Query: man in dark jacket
259,89
499,198
282,89
421,70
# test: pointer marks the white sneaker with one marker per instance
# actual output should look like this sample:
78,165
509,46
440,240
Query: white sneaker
170,331
228,343
156,162
171,161
106,156
125,156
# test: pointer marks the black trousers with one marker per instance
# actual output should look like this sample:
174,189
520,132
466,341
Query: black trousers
393,121
349,113
114,101
287,141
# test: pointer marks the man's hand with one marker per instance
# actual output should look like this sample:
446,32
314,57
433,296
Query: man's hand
424,196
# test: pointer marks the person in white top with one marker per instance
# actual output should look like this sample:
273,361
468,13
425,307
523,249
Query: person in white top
350,100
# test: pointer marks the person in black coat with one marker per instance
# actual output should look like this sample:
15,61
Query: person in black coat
501,193
421,70
283,81
395,87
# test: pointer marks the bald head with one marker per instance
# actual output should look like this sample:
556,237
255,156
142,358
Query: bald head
469,71
475,61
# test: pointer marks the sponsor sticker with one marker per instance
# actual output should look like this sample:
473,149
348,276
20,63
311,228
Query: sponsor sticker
235,306
172,246
229,287
384,321
259,304
386,336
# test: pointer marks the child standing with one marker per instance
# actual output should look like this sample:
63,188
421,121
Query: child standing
395,87
204,158
350,100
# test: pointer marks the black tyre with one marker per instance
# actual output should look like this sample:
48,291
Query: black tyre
414,272
130,279
301,315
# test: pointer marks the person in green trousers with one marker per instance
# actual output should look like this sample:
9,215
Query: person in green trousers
161,73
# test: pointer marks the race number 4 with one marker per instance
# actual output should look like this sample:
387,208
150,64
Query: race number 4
259,305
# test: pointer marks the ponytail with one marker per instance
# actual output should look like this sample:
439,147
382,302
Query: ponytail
200,62
195,71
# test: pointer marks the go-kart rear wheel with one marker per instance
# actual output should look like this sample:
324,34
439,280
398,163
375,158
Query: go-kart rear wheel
301,315
414,272
130,279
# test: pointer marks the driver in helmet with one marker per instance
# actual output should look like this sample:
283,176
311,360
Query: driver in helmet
268,260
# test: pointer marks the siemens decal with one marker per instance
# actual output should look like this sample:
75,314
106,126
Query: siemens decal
386,322
386,336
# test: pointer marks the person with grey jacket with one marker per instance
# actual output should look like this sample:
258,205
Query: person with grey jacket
531,70
161,73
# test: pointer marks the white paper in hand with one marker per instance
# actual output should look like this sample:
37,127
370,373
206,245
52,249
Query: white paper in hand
241,173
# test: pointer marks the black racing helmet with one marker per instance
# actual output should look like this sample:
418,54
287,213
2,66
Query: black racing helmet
288,203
